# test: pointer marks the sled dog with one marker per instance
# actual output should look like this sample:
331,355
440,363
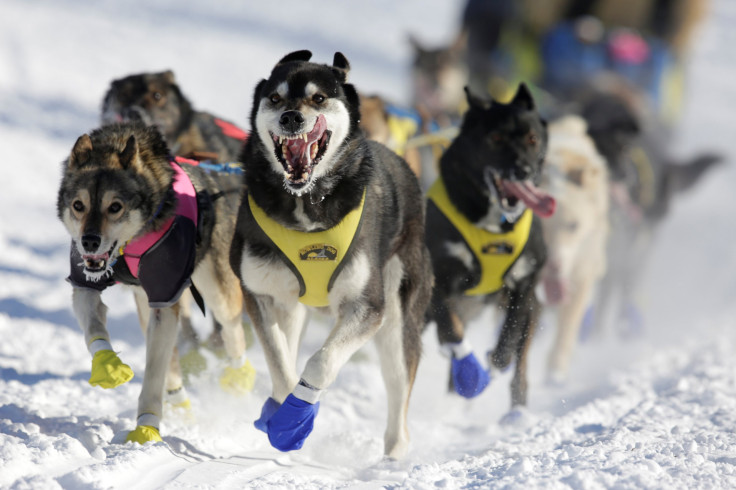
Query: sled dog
330,221
137,217
576,235
156,99
485,236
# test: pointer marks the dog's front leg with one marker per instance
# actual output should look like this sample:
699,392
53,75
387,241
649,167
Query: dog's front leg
516,336
290,425
160,341
108,371
279,340
468,377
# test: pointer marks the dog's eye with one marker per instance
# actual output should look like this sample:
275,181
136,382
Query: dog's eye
78,206
275,98
496,137
157,96
114,208
532,139
318,98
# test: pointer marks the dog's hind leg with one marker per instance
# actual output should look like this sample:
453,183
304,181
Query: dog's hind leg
569,321
221,290
399,347
160,341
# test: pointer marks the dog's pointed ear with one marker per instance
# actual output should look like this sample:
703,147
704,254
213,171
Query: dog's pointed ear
129,156
523,97
415,44
340,66
303,55
169,77
81,151
476,102
341,62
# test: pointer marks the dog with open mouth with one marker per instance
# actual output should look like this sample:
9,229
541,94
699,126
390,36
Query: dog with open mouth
138,217
157,99
485,237
334,222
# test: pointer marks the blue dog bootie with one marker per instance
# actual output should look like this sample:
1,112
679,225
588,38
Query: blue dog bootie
290,425
269,408
468,376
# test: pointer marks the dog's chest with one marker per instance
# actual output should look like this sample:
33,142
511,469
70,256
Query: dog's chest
313,259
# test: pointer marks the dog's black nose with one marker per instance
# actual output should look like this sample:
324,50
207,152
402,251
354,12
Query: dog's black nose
91,243
292,121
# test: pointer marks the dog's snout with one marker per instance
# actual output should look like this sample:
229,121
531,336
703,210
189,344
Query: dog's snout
292,121
91,242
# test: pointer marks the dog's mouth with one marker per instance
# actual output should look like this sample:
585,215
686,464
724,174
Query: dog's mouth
511,193
300,153
94,263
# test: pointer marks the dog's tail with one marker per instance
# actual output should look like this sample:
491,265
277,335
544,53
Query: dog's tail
682,176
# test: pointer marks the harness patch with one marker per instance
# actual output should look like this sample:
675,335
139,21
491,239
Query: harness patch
498,248
318,251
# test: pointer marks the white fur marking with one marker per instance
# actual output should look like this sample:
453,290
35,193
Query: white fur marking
461,252
269,276
351,281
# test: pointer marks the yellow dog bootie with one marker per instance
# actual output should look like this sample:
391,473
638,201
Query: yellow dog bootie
143,434
108,371
240,380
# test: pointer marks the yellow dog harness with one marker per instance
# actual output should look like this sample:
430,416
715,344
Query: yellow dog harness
314,257
496,252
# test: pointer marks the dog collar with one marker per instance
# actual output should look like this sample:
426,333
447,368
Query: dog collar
496,252
314,257
186,197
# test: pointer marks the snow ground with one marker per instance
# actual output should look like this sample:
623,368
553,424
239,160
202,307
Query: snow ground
653,412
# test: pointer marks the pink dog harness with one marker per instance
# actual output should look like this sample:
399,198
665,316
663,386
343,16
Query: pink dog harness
162,261
186,196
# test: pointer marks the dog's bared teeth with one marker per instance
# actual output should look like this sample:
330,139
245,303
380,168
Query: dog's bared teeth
281,140
313,150
304,137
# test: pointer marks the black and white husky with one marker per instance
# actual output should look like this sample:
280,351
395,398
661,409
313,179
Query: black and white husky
333,221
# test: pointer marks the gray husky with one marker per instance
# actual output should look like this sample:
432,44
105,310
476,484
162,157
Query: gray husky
137,217
331,221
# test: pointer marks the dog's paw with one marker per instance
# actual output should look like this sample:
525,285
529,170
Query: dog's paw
240,380
143,434
108,371
468,376
289,427
269,408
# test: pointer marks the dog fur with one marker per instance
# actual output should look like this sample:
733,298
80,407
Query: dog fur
117,185
576,235
383,288
499,145
156,99
645,180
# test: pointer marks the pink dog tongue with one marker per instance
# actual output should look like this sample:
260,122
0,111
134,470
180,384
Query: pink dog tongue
535,198
299,150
